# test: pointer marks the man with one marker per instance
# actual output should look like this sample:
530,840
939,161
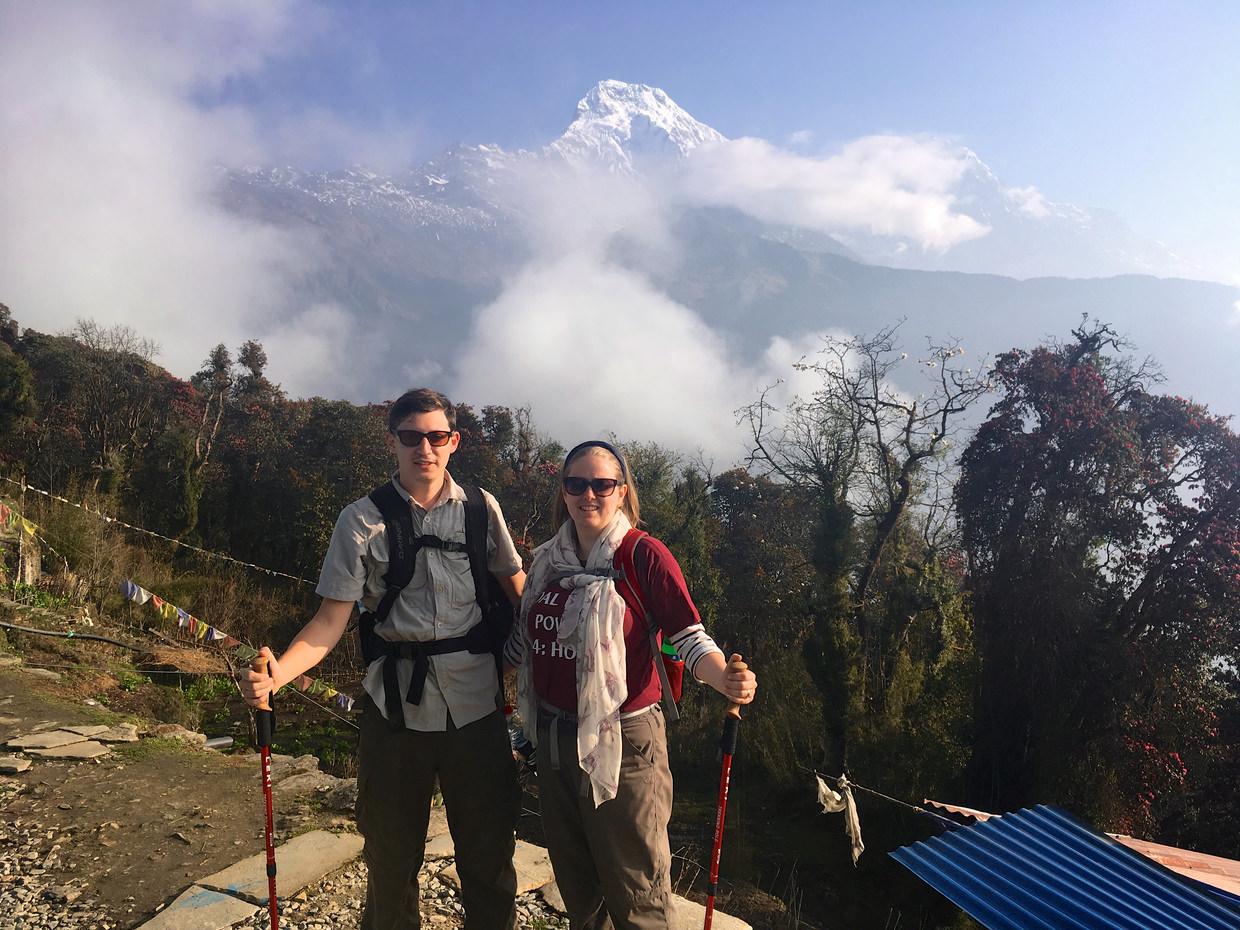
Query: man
455,730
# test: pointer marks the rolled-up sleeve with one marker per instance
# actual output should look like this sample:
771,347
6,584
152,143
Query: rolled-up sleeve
347,567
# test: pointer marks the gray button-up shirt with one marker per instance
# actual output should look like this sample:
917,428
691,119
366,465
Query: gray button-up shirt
438,603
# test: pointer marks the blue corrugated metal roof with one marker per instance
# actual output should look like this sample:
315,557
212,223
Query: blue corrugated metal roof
1043,869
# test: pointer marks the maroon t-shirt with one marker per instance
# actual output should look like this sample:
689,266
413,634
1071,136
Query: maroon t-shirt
663,588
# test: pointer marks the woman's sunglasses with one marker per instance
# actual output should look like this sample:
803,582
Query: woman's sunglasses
413,438
602,487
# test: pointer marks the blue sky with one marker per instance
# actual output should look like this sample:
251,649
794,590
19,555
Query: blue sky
1132,106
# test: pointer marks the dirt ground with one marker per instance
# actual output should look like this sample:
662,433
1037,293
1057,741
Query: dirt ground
130,831
136,827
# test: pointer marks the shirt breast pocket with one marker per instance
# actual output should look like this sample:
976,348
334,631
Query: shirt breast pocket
457,579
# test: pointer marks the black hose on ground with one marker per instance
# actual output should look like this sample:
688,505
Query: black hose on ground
102,639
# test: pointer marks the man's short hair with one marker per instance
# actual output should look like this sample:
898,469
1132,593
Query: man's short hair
420,400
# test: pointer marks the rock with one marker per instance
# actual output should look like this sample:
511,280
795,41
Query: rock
40,673
176,731
86,749
87,731
283,767
13,765
342,797
121,733
50,740
303,784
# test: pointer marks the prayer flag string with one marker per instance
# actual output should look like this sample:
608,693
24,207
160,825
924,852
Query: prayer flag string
137,529
191,625
245,653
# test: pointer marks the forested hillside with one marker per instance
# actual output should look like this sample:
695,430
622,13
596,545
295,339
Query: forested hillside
1042,610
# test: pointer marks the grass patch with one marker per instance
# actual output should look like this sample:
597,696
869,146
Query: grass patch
151,746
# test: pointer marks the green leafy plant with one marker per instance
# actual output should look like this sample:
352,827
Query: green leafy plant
209,688
30,595
131,681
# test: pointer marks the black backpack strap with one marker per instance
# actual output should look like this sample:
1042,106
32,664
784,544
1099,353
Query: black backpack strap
476,537
403,545
498,614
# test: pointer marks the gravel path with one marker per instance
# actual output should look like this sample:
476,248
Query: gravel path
32,897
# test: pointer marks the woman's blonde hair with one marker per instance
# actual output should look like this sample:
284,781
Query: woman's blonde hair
630,505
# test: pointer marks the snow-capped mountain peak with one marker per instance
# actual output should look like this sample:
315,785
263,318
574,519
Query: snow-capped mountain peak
630,126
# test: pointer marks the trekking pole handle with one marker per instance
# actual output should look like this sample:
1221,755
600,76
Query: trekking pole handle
731,719
734,709
264,717
259,665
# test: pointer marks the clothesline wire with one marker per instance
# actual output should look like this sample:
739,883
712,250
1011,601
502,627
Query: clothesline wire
152,533
913,807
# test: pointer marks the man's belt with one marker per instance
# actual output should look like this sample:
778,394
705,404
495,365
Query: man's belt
375,647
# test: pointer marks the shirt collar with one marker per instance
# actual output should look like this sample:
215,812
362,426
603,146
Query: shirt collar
451,491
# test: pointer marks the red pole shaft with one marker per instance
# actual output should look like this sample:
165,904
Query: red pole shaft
265,752
265,725
717,847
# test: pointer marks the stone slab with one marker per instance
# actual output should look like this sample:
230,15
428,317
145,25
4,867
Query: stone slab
121,733
689,915
88,731
533,867
301,861
50,740
88,749
13,765
551,896
40,673
8,661
440,847
686,915
201,908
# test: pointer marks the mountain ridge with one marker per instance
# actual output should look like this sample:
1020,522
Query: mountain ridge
476,231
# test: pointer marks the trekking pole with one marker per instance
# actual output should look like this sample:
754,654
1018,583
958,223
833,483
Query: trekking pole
727,748
265,726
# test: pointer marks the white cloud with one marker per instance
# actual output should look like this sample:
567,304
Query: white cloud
109,166
888,185
322,351
595,350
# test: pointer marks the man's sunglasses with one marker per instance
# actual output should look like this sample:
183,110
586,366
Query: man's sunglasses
413,437
602,487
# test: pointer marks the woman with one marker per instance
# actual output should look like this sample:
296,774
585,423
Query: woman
586,673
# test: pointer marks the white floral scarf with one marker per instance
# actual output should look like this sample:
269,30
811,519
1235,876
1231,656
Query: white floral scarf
593,626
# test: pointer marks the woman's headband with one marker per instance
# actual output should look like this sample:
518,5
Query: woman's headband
624,469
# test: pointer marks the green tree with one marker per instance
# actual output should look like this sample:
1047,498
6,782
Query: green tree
871,458
17,396
1101,523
